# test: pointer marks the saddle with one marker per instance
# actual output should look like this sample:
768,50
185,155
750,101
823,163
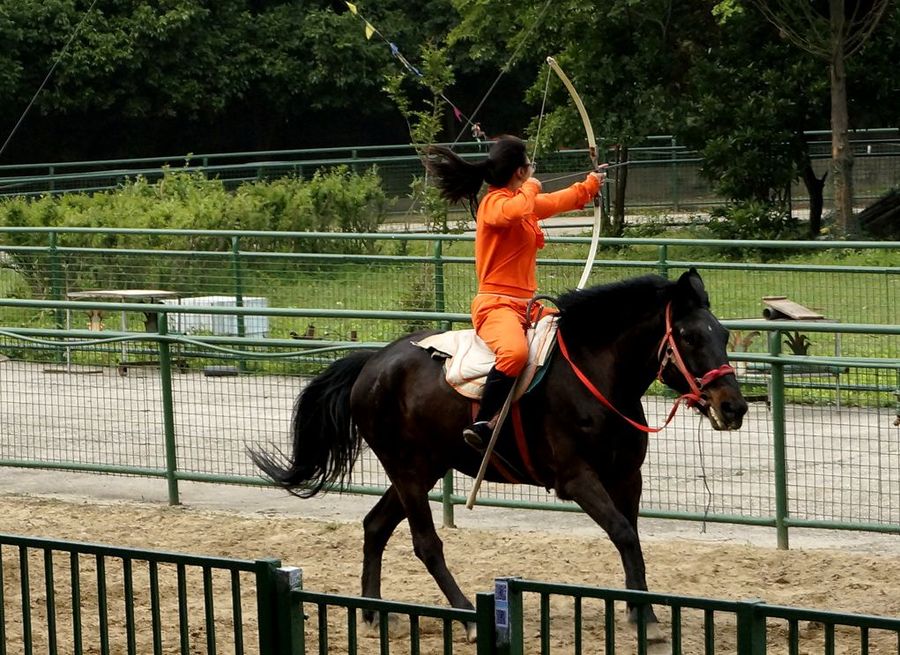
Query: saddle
467,359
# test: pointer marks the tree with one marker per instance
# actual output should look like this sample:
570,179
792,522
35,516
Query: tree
831,30
752,97
628,60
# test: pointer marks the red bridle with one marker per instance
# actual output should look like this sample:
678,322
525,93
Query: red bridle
667,344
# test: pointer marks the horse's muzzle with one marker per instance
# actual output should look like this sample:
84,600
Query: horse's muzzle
725,406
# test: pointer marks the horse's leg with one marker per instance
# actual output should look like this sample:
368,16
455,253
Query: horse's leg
626,495
585,488
378,526
429,548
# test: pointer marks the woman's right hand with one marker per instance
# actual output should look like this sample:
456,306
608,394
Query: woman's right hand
537,182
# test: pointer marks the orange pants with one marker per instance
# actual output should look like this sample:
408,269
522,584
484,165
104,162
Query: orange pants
501,323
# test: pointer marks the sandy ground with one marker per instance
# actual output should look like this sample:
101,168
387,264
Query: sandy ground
834,571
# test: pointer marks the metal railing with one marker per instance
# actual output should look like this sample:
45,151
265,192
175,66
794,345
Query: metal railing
694,624
823,419
663,174
771,450
147,601
121,588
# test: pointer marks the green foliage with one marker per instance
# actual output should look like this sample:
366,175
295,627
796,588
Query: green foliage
419,296
337,200
752,220
425,125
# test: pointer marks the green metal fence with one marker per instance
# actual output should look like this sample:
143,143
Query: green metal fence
69,597
818,447
575,619
60,596
663,175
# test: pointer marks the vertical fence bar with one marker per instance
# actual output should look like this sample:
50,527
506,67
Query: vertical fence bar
751,628
676,629
289,626
209,610
237,273
577,619
50,590
516,622
484,621
130,634
266,603
3,605
237,613
25,585
779,441
183,629
75,581
56,280
102,606
662,261
352,628
545,624
440,306
165,380
676,190
155,618
502,621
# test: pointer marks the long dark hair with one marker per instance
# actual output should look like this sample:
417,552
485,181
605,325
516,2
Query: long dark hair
458,179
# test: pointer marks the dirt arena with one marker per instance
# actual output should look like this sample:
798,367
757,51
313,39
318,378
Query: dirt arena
833,571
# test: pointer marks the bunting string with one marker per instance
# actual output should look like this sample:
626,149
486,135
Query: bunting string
371,30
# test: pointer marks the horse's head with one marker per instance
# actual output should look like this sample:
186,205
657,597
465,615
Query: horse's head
692,354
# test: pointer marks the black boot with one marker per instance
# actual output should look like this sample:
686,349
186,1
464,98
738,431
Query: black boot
496,389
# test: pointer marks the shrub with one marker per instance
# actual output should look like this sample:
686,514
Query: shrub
337,200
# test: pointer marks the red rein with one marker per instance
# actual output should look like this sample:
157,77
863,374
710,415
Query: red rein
667,344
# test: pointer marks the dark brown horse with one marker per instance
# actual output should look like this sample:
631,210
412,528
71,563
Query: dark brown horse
397,400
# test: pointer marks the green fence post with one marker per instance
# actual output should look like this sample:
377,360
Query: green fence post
484,619
509,632
676,192
751,628
289,626
238,292
662,261
56,285
165,379
778,439
439,306
266,605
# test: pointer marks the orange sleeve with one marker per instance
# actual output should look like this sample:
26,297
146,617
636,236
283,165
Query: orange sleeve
564,200
501,210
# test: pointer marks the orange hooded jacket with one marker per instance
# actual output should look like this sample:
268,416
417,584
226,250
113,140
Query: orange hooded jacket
507,238
507,234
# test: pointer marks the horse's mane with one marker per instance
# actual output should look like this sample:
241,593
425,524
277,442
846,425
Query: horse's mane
600,313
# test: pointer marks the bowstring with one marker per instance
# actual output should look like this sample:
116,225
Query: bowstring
537,138
47,78
503,70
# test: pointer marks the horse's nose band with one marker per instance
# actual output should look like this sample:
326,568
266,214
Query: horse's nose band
668,352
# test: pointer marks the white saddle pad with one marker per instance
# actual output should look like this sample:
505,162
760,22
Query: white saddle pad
467,359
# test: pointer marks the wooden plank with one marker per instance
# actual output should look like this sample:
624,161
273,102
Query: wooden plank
783,307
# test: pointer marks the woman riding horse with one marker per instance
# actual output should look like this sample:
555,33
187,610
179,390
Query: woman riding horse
613,342
507,239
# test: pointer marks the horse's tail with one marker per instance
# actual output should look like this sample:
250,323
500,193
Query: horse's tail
326,443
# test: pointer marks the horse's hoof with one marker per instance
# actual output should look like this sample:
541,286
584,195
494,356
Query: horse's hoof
659,648
655,634
471,633
396,626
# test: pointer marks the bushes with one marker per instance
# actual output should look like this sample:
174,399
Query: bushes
332,201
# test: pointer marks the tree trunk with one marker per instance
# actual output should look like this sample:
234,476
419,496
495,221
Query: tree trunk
621,177
841,155
815,188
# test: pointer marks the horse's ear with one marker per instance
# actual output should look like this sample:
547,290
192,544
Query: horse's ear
691,289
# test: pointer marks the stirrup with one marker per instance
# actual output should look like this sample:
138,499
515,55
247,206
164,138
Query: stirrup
478,435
